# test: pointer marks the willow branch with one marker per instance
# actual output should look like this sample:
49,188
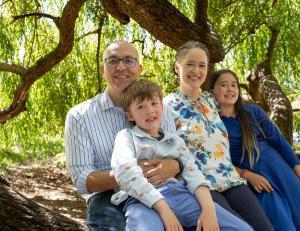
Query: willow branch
38,14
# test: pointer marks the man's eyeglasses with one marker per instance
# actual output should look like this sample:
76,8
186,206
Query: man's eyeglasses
114,62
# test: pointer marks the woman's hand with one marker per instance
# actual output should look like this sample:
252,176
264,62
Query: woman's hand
259,183
208,220
159,171
169,219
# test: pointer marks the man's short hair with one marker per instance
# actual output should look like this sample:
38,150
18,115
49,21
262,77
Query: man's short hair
140,89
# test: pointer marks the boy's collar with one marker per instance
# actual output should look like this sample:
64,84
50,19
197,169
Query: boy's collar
139,132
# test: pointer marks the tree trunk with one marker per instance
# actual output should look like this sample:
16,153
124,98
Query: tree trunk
264,88
19,213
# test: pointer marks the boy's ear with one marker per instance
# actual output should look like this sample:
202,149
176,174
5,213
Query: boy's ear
129,116
176,67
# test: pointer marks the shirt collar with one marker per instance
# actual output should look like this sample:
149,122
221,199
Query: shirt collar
140,133
185,97
106,102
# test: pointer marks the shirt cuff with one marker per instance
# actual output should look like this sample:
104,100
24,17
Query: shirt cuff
81,181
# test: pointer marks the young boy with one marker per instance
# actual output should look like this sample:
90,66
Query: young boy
173,203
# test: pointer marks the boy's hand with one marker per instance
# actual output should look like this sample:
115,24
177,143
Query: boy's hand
208,220
159,171
169,219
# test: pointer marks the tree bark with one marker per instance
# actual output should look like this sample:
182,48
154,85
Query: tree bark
19,213
166,23
264,89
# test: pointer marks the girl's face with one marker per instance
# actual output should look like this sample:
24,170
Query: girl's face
226,90
192,69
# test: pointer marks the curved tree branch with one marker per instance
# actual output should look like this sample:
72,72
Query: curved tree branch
113,9
13,68
66,27
38,14
166,23
271,45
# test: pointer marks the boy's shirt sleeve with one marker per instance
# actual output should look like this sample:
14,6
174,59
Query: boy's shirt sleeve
128,174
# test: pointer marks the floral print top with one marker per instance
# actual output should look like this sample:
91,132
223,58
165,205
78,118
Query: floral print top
199,124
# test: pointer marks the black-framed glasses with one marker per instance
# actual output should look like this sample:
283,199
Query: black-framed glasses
114,61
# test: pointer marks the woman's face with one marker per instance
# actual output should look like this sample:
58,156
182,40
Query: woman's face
192,69
226,90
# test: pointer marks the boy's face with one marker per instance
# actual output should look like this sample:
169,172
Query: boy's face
147,114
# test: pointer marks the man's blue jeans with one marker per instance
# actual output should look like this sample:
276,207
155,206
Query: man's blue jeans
103,215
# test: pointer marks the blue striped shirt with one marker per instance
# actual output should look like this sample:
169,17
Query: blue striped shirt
90,131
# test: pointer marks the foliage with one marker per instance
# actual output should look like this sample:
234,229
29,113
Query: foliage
244,27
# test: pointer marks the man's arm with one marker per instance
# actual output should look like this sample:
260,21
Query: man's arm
159,171
100,181
80,158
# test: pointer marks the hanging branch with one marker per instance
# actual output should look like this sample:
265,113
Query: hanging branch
37,14
65,25
99,32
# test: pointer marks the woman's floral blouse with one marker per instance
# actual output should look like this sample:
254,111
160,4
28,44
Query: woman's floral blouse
198,123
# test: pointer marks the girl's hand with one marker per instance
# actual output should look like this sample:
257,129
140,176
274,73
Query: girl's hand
297,170
208,220
259,183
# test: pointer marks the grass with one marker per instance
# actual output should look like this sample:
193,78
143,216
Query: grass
15,156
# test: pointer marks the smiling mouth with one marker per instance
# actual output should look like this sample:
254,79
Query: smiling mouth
121,77
229,96
151,119
194,77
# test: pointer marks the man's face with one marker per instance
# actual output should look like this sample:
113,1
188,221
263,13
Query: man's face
119,74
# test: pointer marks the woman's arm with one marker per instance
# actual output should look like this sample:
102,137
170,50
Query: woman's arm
168,217
208,217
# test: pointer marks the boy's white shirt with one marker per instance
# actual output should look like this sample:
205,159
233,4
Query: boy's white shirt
132,145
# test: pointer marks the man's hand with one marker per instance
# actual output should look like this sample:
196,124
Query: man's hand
159,171
258,182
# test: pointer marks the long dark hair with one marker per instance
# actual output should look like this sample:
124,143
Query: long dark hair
249,142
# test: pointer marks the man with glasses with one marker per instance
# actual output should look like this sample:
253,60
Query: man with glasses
90,132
